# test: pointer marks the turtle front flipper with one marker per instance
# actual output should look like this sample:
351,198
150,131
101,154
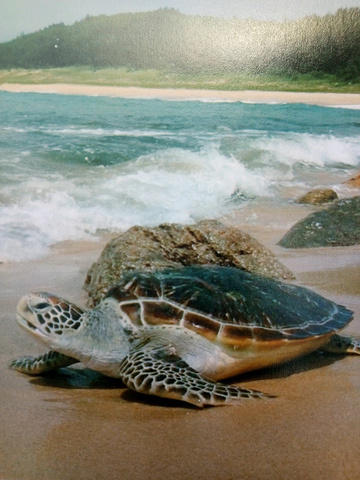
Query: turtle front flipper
342,345
162,373
44,363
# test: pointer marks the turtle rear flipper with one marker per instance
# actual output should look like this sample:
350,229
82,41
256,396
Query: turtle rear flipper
342,345
162,373
47,362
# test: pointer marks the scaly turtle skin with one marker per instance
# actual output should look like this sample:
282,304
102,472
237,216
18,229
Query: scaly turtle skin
175,333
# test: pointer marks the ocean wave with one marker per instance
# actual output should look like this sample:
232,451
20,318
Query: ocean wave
346,107
173,185
108,164
286,151
91,132
170,185
315,151
103,132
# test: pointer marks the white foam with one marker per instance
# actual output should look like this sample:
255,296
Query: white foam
311,150
347,107
107,132
184,185
92,132
171,185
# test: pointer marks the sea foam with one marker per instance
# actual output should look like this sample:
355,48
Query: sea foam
174,185
100,164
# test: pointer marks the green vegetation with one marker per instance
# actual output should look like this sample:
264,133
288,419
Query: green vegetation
165,48
159,79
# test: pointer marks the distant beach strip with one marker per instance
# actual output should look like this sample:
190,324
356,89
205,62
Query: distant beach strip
351,100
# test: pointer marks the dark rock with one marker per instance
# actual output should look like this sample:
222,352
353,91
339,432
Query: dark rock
173,245
338,225
318,197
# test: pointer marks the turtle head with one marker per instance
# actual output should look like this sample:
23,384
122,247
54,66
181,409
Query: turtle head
94,337
49,318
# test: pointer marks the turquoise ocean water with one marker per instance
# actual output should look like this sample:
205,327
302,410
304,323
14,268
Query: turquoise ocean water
74,166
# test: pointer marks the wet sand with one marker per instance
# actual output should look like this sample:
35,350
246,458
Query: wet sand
252,96
78,425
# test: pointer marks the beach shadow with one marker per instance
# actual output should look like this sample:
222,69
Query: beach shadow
69,378
312,361
134,397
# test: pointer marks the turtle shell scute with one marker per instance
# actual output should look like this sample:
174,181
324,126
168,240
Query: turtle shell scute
230,304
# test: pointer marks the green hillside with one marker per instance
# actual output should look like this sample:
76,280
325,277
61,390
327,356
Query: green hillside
172,42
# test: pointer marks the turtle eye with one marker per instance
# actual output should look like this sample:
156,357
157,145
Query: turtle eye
42,306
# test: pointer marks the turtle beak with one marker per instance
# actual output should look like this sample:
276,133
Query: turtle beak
24,316
22,310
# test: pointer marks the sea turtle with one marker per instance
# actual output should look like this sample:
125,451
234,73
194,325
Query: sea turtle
175,333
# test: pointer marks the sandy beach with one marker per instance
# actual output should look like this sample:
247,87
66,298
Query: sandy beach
77,425
252,96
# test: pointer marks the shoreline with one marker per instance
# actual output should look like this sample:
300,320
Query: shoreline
317,396
250,96
316,406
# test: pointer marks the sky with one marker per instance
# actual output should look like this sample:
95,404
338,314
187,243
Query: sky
26,16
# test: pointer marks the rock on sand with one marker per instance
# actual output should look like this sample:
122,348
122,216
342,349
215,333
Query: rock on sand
171,245
338,225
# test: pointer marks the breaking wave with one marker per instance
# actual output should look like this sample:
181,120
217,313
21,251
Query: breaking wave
90,170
